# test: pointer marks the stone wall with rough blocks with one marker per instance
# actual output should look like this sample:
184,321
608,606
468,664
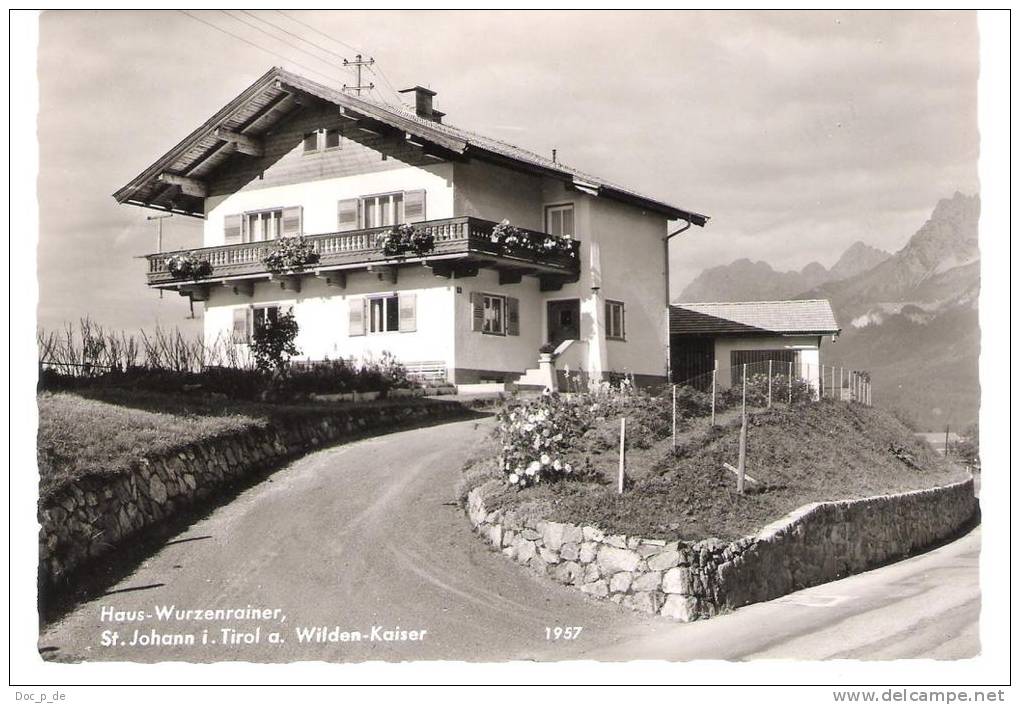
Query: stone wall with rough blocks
686,581
84,521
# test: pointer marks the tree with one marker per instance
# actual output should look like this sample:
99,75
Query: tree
273,342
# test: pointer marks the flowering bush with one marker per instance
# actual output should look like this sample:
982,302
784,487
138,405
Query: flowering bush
534,437
513,239
405,238
188,265
289,253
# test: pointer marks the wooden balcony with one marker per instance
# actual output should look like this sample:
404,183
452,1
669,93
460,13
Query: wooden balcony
461,246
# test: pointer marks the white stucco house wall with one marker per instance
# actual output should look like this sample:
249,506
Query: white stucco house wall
291,157
782,336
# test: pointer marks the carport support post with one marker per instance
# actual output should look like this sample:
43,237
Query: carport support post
770,384
623,446
832,381
841,383
715,373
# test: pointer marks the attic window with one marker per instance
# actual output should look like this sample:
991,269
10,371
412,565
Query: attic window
311,142
333,138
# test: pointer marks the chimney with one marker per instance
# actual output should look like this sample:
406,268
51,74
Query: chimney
423,103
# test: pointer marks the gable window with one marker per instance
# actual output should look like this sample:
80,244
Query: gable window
616,328
311,142
333,138
559,220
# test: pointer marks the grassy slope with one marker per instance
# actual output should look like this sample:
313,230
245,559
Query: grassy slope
103,431
814,452
80,436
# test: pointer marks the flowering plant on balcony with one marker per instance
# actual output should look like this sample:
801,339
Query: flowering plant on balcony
289,253
405,238
188,265
512,239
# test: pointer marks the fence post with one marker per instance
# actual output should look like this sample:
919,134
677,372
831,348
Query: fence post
841,384
789,386
715,373
674,417
623,446
832,381
742,458
743,397
770,384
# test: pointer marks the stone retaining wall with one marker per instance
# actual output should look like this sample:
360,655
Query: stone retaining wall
686,581
85,520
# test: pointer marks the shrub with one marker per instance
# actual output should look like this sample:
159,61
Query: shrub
534,438
273,342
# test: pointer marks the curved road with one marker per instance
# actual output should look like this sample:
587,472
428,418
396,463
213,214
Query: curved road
364,536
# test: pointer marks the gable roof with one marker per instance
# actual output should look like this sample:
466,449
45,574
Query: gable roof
278,92
808,317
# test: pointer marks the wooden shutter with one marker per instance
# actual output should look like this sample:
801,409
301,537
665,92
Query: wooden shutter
242,325
356,316
291,221
347,214
232,229
477,311
513,316
414,206
408,313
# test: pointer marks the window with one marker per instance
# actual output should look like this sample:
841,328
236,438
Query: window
333,138
757,362
384,314
383,210
616,328
559,220
493,314
248,318
263,225
311,143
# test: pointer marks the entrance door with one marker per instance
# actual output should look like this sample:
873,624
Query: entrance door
564,320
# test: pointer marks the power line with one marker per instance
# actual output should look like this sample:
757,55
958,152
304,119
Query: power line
262,48
320,33
274,37
296,36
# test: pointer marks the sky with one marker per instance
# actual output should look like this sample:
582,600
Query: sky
799,133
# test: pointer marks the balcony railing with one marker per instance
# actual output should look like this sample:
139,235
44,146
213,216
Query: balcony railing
463,238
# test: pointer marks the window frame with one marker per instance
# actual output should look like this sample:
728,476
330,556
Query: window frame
555,207
620,335
398,218
246,230
486,298
318,142
325,139
385,298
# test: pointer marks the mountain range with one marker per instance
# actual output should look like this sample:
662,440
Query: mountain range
909,318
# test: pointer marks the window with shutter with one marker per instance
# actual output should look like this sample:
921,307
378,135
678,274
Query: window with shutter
513,316
291,221
347,214
356,316
414,206
477,312
232,229
407,313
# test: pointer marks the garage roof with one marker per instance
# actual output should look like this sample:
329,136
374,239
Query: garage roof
806,317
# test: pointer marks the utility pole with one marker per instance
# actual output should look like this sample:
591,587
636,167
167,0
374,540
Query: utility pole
357,64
